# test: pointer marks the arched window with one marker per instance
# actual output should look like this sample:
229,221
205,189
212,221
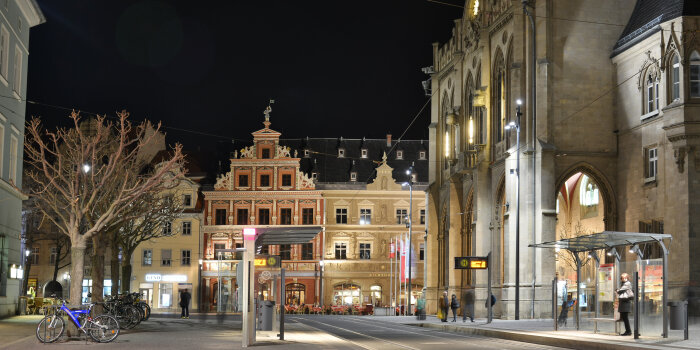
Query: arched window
675,78
499,98
694,74
588,197
295,294
376,291
651,91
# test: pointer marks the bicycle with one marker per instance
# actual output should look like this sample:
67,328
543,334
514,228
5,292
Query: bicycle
129,316
101,328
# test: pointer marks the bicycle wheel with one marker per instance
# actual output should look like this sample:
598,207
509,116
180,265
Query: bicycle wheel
50,328
146,310
131,317
103,328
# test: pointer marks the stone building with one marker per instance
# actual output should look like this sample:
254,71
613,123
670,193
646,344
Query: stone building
18,17
606,135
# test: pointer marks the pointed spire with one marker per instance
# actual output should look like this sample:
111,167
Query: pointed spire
384,158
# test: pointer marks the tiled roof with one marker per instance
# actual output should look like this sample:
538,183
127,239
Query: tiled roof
648,14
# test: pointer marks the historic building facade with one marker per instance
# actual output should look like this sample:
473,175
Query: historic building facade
606,139
17,19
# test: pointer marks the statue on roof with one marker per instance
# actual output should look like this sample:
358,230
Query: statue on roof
267,113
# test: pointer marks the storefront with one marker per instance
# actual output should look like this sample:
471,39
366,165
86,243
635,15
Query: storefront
162,291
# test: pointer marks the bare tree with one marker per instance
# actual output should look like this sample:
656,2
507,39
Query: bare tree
88,175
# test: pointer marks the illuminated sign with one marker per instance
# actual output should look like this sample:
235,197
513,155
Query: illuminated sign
471,262
155,277
249,233
268,260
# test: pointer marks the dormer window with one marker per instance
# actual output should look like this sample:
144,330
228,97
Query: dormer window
341,152
353,176
421,155
265,153
399,154
307,153
363,153
314,176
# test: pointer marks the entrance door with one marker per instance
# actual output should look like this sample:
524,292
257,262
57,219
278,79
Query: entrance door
147,295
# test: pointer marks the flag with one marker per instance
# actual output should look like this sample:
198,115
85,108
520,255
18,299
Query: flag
403,261
392,250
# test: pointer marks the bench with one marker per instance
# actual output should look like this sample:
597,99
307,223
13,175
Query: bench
595,321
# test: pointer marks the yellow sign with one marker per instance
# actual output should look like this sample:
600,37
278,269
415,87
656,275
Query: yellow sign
471,262
261,262
477,264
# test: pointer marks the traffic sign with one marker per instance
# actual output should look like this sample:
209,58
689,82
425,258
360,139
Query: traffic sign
471,262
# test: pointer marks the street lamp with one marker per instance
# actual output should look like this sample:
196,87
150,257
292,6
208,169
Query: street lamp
409,172
86,168
516,125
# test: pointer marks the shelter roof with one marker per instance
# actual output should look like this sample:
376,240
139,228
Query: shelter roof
286,235
603,240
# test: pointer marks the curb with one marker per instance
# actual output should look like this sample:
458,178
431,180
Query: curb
570,343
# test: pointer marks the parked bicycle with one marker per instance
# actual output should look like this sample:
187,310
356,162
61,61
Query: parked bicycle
122,308
101,328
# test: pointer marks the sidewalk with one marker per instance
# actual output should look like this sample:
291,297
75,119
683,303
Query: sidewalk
541,332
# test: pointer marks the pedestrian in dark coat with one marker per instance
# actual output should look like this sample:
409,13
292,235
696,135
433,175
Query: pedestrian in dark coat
624,297
185,298
454,305
468,305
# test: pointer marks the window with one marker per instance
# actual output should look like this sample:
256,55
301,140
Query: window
286,216
499,99
167,228
187,200
265,153
17,76
147,257
286,251
242,217
314,176
651,97
363,153
421,155
165,292
220,218
341,215
243,180
353,176
365,250
365,216
264,180
286,179
186,228
421,252
675,78
422,216
52,257
263,216
341,153
13,160
219,246
341,250
652,159
166,256
588,198
4,51
34,256
694,74
307,216
185,257
307,251
307,153
401,216
399,154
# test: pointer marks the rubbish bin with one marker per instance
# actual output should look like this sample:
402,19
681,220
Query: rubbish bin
22,305
677,310
266,311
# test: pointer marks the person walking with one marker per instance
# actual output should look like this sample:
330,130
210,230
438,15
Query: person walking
185,297
624,297
444,306
454,305
468,305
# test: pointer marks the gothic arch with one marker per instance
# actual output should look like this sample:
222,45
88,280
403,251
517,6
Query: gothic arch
607,192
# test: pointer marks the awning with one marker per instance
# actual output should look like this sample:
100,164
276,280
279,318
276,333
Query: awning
286,235
603,240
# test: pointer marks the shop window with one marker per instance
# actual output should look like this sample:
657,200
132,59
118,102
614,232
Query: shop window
307,251
147,257
286,180
286,216
307,216
347,294
165,295
341,250
166,257
185,257
220,216
365,216
264,180
286,251
365,251
694,74
422,216
263,216
187,228
242,216
295,294
243,180
651,160
376,291
401,216
341,215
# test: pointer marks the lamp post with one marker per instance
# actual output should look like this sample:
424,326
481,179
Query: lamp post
516,125
409,172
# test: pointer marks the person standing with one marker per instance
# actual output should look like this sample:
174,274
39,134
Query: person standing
468,305
185,297
454,305
624,297
444,306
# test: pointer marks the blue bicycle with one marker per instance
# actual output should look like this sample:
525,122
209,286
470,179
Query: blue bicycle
101,328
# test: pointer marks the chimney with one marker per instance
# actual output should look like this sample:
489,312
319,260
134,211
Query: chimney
388,140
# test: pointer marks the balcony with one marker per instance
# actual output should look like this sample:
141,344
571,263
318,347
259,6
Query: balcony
468,160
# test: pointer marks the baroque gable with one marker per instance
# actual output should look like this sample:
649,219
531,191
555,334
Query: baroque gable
384,180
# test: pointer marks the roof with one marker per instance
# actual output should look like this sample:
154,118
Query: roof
286,234
646,17
603,240
332,169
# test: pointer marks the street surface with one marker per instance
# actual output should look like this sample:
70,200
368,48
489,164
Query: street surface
304,332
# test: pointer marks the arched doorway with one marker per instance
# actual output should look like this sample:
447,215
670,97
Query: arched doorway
295,294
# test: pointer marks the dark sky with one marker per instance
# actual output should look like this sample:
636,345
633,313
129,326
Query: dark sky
334,68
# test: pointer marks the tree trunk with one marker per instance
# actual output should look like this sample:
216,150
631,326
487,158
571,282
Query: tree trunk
98,268
77,256
126,272
114,264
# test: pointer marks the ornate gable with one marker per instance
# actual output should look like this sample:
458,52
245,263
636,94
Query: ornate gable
384,180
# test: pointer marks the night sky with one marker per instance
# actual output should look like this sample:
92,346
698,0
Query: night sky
334,68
